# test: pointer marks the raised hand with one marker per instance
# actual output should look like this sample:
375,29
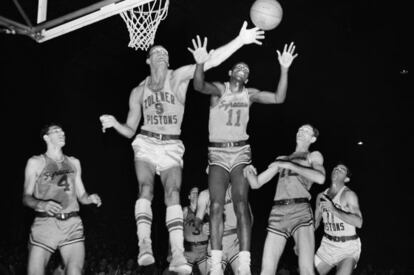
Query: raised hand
286,58
108,121
199,51
249,36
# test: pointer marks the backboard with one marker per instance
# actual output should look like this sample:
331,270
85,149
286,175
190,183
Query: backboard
47,28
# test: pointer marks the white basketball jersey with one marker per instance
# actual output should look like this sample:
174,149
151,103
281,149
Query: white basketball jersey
333,225
228,119
163,112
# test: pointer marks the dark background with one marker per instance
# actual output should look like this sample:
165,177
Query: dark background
348,81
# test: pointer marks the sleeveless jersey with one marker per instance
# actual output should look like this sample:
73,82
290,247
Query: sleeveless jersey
292,185
333,225
228,119
163,111
57,182
190,232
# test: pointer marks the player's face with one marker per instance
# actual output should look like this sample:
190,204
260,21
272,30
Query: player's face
159,55
305,133
193,194
339,172
56,136
240,72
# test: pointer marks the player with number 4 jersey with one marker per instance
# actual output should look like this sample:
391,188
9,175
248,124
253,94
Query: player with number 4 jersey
229,151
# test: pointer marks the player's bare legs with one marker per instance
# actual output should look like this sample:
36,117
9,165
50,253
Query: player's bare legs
218,179
345,267
171,180
240,193
323,268
305,243
273,249
143,213
73,256
38,259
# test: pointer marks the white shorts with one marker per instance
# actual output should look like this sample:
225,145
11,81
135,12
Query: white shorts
333,253
163,154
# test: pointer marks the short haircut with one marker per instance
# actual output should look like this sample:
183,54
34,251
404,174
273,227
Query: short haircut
45,129
314,129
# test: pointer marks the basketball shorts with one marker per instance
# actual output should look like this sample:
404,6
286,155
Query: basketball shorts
230,157
333,253
50,233
284,220
163,154
196,254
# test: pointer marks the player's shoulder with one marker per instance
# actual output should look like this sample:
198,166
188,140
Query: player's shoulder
36,160
348,193
315,156
73,160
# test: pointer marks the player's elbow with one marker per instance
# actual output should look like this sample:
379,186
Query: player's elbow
198,85
359,223
320,179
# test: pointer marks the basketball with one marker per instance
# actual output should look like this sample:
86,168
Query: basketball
266,14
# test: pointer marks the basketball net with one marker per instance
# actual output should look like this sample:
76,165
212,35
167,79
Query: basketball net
142,22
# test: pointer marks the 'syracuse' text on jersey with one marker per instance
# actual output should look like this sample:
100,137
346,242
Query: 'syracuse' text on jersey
228,119
56,182
333,225
163,111
292,185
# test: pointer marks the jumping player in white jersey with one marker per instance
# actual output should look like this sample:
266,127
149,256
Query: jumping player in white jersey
229,150
339,208
52,187
291,213
158,148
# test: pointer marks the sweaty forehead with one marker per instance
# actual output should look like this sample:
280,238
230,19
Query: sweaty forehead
306,128
158,49
241,67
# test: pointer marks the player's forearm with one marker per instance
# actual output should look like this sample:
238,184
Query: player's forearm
308,172
125,130
84,198
266,176
281,91
351,218
32,202
224,52
198,81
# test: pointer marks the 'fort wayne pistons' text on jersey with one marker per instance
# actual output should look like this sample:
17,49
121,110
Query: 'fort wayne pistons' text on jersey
292,185
228,119
56,182
333,225
163,111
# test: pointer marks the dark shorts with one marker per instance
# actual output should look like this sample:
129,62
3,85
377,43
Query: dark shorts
284,220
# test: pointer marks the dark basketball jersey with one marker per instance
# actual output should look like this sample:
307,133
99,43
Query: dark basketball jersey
56,182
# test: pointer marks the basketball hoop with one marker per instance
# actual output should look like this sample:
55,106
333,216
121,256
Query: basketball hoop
142,22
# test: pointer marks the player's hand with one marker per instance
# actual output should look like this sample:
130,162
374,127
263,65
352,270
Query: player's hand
108,121
249,170
249,36
95,199
326,204
199,51
50,207
287,56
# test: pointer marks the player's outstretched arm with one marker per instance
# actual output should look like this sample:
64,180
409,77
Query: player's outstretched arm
256,181
202,204
285,60
218,56
134,115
